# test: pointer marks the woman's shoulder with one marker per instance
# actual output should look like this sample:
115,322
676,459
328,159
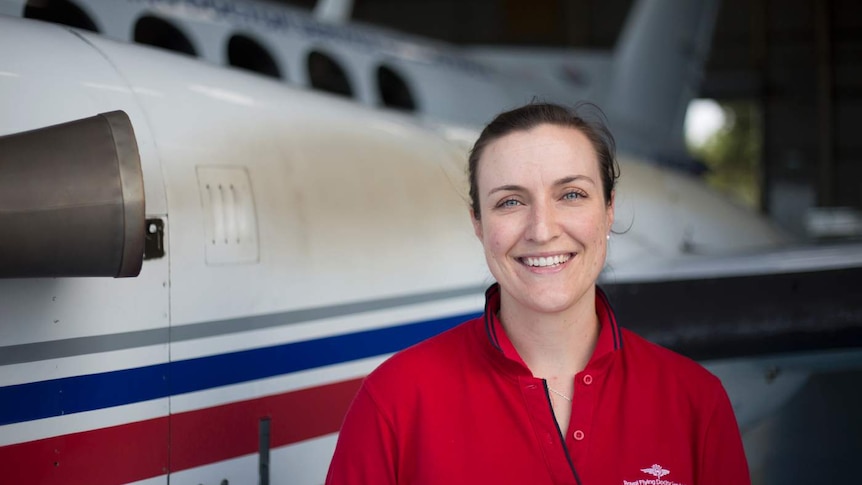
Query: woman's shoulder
686,387
665,364
438,355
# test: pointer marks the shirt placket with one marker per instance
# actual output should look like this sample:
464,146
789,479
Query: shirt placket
579,434
548,435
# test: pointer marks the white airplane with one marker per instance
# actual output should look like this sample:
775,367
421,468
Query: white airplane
201,264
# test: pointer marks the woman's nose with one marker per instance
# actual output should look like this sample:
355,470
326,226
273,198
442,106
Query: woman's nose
543,224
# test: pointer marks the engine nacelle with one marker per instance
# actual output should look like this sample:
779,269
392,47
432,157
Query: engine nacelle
72,200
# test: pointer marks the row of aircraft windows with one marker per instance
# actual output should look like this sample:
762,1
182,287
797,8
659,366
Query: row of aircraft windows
324,72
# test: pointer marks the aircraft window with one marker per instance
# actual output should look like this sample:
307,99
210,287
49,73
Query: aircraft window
327,75
159,33
59,12
394,91
246,53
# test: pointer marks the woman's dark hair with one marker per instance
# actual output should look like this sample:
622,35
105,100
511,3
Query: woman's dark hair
532,115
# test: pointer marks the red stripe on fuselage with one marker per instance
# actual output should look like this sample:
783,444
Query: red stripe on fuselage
231,430
136,451
106,456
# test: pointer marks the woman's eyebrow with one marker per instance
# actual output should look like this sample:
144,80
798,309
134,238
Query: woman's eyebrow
507,188
519,188
572,178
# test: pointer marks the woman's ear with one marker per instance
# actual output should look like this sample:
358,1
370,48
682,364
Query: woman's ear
611,209
477,225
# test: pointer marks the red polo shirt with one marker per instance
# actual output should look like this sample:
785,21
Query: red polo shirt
463,408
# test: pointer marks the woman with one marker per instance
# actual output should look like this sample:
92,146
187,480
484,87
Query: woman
545,387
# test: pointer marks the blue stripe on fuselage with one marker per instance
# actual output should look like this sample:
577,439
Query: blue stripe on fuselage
56,397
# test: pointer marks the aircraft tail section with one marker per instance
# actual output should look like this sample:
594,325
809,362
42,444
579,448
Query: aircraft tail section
657,70
644,85
333,11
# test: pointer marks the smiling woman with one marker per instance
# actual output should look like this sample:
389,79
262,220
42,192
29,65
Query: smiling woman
543,224
545,387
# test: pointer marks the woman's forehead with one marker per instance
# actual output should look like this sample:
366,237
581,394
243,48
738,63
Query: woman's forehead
545,147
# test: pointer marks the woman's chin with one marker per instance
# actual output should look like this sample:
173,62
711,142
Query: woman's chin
550,303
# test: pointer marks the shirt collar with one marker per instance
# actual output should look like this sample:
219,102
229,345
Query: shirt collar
503,352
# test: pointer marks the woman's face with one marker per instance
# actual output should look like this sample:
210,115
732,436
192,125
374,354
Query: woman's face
544,221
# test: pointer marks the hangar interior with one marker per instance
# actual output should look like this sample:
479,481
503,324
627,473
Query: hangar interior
795,65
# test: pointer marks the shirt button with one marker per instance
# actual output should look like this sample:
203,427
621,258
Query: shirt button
578,434
588,379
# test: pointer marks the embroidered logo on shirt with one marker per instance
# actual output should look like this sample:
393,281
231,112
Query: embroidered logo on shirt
658,472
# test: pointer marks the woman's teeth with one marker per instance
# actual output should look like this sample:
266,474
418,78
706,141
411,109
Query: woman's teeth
548,261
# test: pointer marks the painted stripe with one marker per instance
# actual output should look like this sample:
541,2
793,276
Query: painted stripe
137,451
157,480
11,434
44,370
294,417
209,329
70,347
107,456
38,400
357,322
14,354
218,396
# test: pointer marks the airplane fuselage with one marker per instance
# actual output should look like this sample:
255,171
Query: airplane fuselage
306,238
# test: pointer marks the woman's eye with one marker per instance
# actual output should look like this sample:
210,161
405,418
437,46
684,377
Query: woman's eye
573,195
509,203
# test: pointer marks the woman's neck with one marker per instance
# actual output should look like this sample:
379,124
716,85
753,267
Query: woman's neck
553,345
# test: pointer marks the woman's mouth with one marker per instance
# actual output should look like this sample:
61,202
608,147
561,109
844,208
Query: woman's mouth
545,261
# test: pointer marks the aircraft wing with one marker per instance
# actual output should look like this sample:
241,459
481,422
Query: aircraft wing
787,300
772,325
